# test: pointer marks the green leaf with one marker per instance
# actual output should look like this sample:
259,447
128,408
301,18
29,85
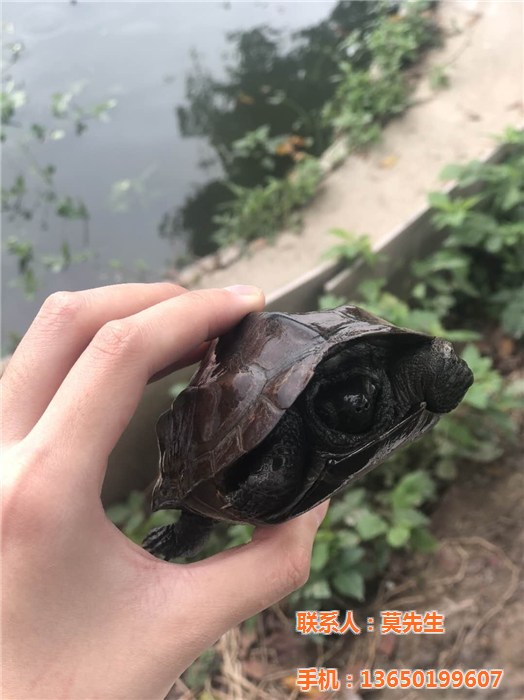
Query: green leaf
398,535
136,501
239,534
38,131
347,538
134,522
477,397
319,590
160,517
370,525
350,583
446,469
349,557
331,301
412,490
118,513
511,198
320,555
513,314
354,498
458,432
472,356
462,336
438,200
451,172
409,517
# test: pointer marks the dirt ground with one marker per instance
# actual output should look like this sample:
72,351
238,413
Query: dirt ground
376,192
476,579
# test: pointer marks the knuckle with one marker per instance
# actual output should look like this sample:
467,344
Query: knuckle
25,509
173,287
61,308
118,339
197,297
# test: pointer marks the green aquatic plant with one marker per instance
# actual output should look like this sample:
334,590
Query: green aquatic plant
33,193
479,269
345,76
368,96
262,211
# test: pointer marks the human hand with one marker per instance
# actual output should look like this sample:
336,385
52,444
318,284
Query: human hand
86,612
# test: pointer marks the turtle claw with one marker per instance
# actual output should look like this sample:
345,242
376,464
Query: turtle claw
181,539
158,541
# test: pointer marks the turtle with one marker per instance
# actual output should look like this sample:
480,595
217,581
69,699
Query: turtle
288,409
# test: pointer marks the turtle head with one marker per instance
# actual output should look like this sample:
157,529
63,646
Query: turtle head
432,373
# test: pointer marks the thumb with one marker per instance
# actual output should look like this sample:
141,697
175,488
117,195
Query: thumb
237,584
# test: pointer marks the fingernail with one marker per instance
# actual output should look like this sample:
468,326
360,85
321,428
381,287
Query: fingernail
244,290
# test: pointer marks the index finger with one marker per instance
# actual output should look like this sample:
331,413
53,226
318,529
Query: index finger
100,394
63,327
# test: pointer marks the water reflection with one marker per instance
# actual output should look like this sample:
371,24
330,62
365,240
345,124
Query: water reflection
122,182
271,85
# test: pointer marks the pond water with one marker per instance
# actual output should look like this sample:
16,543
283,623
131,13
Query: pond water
151,168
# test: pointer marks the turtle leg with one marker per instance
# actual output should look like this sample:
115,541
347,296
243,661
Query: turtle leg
267,478
181,539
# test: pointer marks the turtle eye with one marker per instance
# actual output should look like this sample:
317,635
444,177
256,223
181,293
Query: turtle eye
361,401
348,406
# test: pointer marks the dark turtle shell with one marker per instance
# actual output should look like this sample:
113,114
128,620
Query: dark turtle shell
247,381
